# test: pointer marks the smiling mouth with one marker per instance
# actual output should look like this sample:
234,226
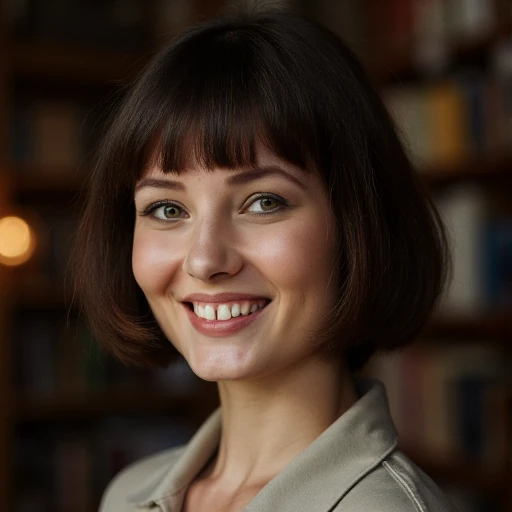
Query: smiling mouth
226,311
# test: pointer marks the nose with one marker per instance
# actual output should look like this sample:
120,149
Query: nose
212,254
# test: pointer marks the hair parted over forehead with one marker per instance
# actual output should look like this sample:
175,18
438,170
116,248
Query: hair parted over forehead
274,78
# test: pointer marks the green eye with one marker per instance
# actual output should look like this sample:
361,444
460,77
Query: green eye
165,211
171,211
267,204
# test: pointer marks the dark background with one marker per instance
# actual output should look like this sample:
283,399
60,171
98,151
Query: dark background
70,418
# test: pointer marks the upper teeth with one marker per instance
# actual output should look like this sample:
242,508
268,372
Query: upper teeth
227,311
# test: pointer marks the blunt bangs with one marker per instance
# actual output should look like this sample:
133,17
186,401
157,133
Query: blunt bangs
225,85
210,98
290,84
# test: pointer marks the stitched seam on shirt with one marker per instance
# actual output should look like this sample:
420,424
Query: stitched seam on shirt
402,482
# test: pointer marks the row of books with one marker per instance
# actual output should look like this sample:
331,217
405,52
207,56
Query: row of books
449,401
428,32
55,356
63,468
55,135
55,236
452,121
481,242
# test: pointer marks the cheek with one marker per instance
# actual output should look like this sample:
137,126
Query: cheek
302,256
153,264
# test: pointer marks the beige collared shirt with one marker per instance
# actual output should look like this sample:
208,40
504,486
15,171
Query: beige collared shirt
353,466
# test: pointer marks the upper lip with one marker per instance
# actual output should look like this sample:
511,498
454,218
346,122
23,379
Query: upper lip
221,297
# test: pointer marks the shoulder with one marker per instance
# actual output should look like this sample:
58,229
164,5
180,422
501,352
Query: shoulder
145,472
397,485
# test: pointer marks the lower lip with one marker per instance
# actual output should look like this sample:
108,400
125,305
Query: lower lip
220,328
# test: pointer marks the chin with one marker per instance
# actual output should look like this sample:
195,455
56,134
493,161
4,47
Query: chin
221,368
219,374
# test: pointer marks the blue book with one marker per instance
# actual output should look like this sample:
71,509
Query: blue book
469,392
497,262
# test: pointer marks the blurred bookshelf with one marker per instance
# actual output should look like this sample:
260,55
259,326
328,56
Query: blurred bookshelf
445,72
496,328
486,171
446,77
118,402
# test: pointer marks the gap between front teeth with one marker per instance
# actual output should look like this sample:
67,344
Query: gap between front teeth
224,312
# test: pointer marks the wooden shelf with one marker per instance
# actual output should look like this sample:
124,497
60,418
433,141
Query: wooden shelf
34,290
480,170
33,181
114,402
398,67
43,61
41,298
492,328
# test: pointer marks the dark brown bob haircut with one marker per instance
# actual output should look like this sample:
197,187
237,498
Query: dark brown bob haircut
213,93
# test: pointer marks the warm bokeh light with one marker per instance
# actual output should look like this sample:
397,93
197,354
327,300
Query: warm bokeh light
17,241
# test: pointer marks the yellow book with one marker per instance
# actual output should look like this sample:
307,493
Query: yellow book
448,125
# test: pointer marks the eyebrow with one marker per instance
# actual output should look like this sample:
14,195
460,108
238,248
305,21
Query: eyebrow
240,178
159,183
261,172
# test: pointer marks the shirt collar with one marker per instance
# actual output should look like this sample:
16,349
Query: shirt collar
334,462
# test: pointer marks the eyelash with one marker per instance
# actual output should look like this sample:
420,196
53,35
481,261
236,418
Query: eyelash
154,206
283,204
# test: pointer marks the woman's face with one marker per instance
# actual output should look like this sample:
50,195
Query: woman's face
236,264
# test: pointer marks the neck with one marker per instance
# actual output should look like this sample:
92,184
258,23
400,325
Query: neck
267,422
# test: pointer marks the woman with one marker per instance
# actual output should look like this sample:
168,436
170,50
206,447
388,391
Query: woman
253,210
